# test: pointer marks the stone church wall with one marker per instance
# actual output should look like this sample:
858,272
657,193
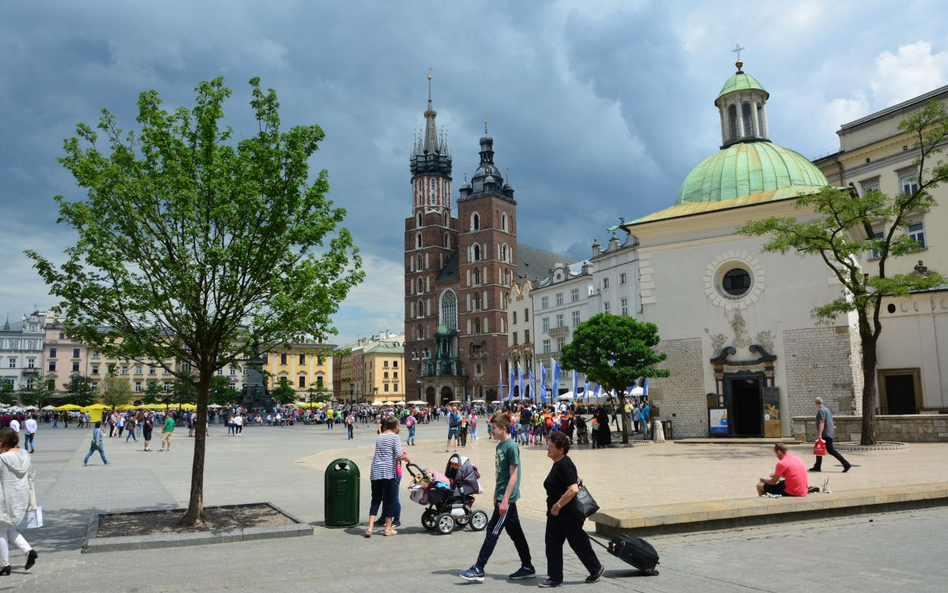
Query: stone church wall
682,393
819,363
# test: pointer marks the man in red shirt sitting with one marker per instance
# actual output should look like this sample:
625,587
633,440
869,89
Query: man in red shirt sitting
789,467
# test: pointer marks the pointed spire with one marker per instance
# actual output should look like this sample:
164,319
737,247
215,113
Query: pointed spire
431,131
6,326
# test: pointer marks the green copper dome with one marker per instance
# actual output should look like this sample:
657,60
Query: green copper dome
749,168
741,82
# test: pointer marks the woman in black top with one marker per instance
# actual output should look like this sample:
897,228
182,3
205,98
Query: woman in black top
563,522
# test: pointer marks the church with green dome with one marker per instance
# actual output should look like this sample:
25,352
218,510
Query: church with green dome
743,351
748,168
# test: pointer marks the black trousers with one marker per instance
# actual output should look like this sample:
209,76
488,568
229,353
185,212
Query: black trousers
567,527
512,525
830,450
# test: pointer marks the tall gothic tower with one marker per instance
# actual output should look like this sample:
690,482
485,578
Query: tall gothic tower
430,239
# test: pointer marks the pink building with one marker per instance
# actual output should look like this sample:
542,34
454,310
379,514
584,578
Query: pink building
63,358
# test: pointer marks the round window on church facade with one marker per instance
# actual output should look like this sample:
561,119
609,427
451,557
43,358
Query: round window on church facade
736,282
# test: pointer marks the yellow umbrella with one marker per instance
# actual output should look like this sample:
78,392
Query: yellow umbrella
95,407
67,408
191,407
127,407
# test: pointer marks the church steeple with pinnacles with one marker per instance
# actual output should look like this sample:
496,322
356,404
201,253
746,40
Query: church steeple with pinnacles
430,164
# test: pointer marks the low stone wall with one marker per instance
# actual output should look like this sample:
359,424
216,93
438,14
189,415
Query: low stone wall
909,428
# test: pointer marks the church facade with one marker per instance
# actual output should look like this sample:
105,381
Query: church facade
743,350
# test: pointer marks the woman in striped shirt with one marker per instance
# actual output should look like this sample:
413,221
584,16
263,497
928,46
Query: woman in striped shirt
388,451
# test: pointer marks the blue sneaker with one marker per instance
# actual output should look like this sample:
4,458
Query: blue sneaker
525,572
472,574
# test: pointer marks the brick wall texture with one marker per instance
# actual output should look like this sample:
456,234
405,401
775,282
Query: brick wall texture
683,392
819,362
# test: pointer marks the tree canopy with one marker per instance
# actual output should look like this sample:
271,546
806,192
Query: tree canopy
615,352
845,228
194,242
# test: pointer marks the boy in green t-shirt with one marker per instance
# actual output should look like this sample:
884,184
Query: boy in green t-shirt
506,495
166,434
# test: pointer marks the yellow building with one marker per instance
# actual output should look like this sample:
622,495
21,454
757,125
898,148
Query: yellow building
383,366
304,366
139,374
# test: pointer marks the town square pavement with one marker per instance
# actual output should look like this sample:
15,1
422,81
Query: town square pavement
285,466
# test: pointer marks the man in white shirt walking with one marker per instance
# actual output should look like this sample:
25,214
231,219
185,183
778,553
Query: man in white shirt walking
15,425
31,427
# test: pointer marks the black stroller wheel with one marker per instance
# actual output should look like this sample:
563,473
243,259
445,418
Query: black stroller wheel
478,520
429,519
445,523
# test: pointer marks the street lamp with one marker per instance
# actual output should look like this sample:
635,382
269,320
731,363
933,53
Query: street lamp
351,393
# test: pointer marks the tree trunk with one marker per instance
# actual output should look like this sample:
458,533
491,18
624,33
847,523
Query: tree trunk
195,512
625,418
868,343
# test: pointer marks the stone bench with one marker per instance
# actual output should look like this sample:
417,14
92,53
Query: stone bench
684,517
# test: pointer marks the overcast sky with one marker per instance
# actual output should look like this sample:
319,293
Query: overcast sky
599,109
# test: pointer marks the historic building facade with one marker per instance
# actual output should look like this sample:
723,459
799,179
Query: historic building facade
21,351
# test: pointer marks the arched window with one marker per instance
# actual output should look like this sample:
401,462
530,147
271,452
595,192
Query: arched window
419,220
418,241
477,252
477,277
476,302
760,121
475,222
421,308
503,253
732,122
477,326
748,118
449,309
421,285
445,219
418,259
447,240
503,221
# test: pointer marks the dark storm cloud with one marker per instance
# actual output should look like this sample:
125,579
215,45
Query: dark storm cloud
598,108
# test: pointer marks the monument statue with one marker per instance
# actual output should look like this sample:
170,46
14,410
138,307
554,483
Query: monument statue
255,394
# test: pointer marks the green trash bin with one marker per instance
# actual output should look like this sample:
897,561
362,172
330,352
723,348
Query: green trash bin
342,494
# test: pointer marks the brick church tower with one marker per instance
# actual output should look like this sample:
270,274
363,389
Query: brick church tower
458,273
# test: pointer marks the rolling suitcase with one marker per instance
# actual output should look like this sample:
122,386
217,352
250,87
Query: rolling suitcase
634,551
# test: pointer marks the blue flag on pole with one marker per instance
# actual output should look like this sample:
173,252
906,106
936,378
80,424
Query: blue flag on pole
556,380
510,388
645,386
520,377
586,390
542,383
575,384
501,392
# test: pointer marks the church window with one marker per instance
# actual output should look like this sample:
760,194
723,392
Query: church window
503,253
476,302
732,122
748,119
418,241
421,308
475,222
477,326
447,240
503,221
418,267
421,285
477,276
760,121
420,222
449,309
445,220
736,282
477,252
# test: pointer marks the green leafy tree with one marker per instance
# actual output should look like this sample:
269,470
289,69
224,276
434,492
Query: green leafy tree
614,351
154,393
114,391
6,390
284,393
222,392
841,231
40,394
193,245
79,391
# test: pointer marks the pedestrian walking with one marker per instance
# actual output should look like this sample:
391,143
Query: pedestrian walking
563,523
29,430
131,426
506,495
350,426
15,470
166,434
96,445
410,424
147,426
388,452
826,430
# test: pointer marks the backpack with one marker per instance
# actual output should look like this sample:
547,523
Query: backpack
410,421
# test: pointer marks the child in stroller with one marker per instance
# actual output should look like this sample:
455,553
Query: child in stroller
448,496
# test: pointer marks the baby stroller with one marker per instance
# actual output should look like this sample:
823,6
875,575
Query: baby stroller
448,496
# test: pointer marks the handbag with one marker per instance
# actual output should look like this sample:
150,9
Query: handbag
34,513
583,503
819,448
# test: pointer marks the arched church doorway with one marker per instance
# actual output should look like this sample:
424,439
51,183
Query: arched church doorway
446,394
430,396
